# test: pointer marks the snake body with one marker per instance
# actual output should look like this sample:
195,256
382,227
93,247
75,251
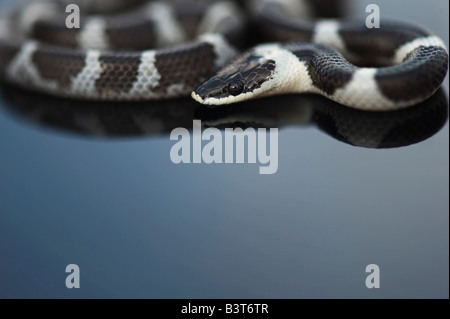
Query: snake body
105,59
384,69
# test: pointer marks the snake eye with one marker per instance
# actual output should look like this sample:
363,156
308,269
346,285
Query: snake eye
236,87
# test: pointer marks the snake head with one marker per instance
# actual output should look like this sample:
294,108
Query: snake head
241,80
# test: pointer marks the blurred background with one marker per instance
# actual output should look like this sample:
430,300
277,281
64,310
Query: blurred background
139,226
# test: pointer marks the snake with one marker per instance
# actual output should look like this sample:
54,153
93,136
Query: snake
163,50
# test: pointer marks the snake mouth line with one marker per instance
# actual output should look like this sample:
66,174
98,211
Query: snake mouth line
222,101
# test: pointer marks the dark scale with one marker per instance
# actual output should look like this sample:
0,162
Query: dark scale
421,71
328,70
187,67
119,72
136,36
58,63
376,43
56,33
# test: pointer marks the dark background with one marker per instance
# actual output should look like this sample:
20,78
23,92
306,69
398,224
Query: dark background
141,227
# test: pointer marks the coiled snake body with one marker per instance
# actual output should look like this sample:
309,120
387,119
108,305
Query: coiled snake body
110,58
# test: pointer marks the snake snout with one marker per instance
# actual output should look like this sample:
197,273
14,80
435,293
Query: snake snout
212,89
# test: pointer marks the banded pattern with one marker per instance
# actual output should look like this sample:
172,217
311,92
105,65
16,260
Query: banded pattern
144,54
404,64
162,50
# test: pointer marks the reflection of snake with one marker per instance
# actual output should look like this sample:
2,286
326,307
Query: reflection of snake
119,120
414,61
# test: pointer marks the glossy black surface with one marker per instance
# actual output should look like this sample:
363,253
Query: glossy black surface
94,185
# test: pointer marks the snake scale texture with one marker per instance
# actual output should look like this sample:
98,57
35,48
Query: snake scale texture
219,52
